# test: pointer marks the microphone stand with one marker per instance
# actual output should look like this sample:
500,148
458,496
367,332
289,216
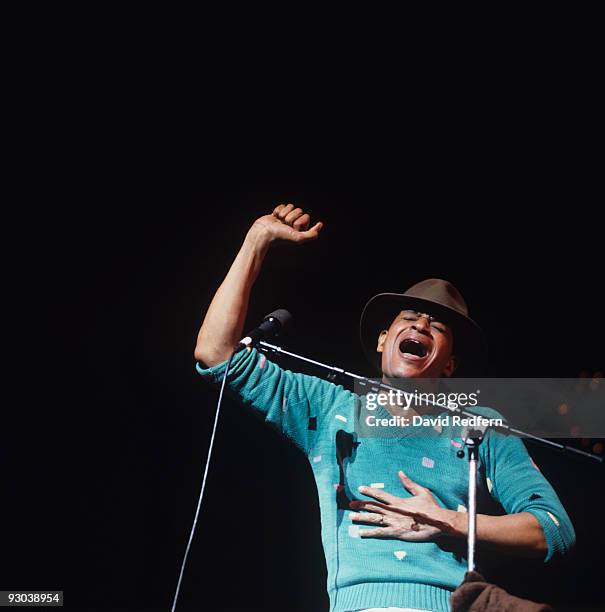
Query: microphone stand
364,381
472,439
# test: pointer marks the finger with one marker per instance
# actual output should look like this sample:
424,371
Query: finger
409,484
310,234
369,506
378,532
285,211
378,494
380,508
293,215
277,209
302,223
367,518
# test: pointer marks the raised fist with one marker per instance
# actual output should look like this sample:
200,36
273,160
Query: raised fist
287,223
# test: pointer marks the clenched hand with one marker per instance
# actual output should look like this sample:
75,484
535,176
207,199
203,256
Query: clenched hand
286,223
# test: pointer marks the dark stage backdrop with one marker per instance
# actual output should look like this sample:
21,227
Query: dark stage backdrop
149,151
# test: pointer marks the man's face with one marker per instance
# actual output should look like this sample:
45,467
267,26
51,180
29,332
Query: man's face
416,346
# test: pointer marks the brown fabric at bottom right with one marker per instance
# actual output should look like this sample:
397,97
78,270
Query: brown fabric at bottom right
477,595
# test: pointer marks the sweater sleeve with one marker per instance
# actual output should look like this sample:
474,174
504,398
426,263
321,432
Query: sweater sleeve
518,485
291,402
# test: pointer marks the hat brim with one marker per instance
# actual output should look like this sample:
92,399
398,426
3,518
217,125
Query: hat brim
469,341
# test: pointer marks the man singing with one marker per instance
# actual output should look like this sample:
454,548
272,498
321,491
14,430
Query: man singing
393,514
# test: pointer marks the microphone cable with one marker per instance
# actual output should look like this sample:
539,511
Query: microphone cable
199,501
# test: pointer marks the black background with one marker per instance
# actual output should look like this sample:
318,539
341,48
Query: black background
429,148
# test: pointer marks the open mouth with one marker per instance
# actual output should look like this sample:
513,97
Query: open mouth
412,349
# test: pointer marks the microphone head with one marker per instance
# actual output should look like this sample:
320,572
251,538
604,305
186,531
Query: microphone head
280,318
473,432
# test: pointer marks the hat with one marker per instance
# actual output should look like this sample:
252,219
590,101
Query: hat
433,296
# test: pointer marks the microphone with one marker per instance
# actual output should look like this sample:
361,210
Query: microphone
478,431
272,325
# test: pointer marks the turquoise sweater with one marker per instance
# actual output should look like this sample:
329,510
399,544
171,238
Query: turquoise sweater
363,573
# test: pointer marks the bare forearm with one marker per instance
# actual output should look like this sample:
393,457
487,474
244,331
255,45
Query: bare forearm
224,320
519,534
